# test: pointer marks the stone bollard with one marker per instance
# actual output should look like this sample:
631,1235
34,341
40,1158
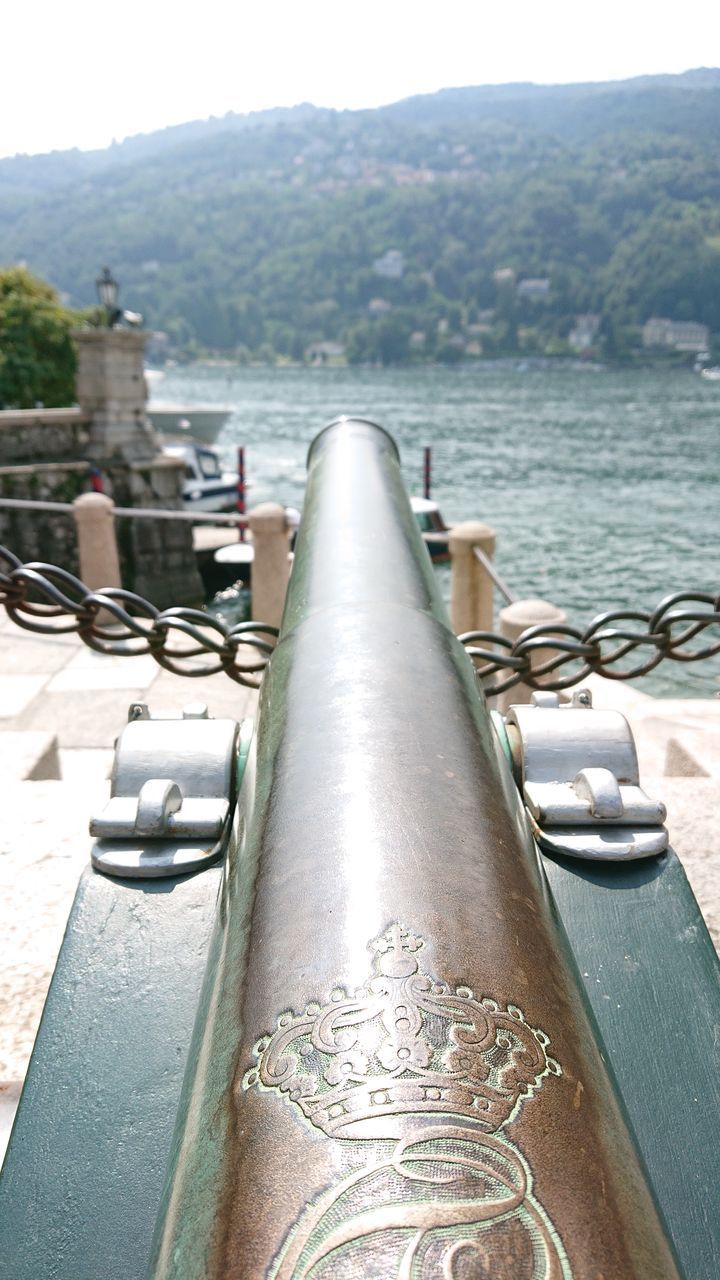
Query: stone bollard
471,603
516,618
97,546
271,565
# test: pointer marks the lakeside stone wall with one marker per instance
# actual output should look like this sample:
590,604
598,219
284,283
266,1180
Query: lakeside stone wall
42,535
43,435
153,553
47,454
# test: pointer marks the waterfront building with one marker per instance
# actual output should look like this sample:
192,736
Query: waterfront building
678,335
582,336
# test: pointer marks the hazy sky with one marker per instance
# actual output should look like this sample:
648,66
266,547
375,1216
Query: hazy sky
80,72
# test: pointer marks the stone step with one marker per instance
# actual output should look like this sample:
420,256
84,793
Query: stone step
674,737
44,845
692,806
27,754
671,750
692,753
9,1097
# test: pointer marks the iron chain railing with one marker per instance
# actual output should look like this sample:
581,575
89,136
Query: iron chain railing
601,647
37,595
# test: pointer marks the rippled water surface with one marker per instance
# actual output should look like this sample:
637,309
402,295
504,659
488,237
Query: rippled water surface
602,485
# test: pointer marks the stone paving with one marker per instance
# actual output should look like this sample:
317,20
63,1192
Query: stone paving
62,706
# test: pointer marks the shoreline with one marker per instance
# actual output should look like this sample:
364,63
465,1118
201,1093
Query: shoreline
526,363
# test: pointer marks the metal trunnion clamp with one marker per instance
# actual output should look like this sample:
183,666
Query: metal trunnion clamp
577,770
173,788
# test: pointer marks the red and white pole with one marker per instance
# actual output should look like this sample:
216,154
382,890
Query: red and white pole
241,488
427,471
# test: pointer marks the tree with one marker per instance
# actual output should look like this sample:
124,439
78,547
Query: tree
37,357
392,337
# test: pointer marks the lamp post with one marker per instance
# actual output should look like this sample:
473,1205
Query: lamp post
107,290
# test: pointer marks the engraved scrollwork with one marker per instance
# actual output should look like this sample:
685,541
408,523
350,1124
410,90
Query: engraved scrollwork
431,1197
335,1029
281,1066
430,1075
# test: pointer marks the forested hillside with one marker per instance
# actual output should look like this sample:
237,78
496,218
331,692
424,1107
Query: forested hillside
470,222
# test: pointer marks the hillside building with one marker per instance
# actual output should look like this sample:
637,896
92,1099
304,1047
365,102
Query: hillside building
504,276
584,332
391,265
676,335
534,289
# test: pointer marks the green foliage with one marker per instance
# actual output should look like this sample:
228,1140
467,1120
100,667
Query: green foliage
37,358
256,235
666,266
448,353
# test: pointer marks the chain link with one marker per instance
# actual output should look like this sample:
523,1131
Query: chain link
37,595
600,647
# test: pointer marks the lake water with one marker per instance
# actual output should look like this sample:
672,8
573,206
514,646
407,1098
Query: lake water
602,485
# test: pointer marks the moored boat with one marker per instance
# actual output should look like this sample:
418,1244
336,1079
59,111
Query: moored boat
432,527
202,422
206,486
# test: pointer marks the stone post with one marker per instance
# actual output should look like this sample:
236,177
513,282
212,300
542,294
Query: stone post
157,557
110,386
271,564
471,602
516,618
97,548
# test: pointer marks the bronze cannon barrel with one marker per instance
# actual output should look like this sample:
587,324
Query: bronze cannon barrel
395,1073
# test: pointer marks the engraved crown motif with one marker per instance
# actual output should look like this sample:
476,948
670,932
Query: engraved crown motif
402,1044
